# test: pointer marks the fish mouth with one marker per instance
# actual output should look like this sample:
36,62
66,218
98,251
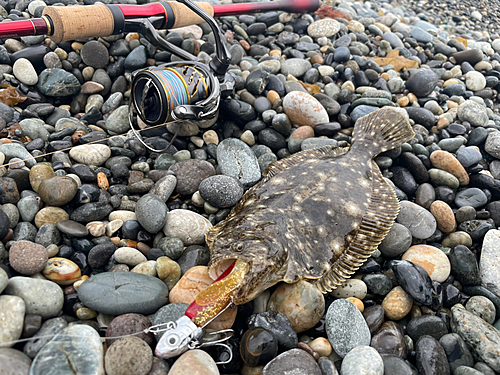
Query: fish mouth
220,267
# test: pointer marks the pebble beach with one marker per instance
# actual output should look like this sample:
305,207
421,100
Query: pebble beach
101,238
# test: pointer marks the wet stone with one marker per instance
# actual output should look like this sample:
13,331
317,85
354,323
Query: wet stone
431,357
390,340
414,280
258,346
456,351
423,82
278,324
374,316
473,197
426,325
58,82
464,265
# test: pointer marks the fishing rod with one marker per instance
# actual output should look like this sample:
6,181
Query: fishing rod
78,22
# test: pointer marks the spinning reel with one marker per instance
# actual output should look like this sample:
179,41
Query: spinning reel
180,91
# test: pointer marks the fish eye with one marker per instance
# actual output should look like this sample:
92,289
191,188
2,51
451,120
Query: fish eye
239,246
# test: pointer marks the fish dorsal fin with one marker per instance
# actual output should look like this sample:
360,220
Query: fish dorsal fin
316,153
375,224
380,131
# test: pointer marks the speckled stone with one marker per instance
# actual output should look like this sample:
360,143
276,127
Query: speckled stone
236,159
151,212
51,215
42,297
14,362
362,360
28,258
351,288
482,307
12,310
481,338
489,261
345,326
397,304
128,355
444,215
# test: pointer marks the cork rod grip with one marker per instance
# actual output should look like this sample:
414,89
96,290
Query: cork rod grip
185,17
76,22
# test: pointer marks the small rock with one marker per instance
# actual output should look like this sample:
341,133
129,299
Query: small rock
302,303
430,258
42,297
488,263
397,304
292,361
188,226
12,310
362,360
76,349
128,355
417,219
116,293
28,258
94,154
346,328
194,362
303,109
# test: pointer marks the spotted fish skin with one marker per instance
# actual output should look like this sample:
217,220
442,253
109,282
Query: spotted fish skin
317,215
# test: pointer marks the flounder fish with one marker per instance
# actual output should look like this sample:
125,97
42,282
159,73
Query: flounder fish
316,215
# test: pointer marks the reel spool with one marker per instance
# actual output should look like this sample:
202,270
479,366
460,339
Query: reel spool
173,92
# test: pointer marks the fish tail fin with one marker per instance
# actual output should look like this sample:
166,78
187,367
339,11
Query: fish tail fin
381,131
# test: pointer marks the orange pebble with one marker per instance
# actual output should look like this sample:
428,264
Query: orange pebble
359,304
102,181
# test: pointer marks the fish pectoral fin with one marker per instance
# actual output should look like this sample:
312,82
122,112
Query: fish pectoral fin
316,153
375,224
